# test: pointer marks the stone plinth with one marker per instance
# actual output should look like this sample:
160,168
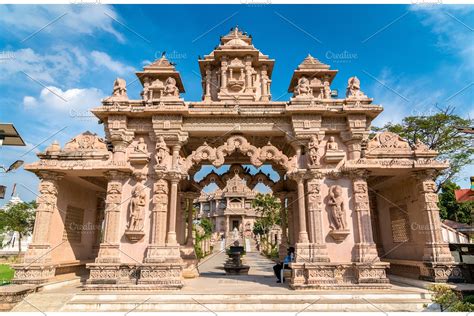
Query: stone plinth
10,295
329,275
148,276
33,273
334,156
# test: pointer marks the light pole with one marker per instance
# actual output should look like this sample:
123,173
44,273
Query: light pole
9,137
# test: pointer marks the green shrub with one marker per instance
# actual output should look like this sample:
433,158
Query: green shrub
449,300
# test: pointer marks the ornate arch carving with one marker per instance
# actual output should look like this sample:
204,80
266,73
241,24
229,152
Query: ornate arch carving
216,156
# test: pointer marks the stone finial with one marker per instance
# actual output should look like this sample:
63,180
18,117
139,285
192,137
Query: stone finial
54,147
353,89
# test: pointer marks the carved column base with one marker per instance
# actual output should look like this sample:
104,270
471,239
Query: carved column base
438,252
369,273
162,276
102,275
33,274
429,271
190,262
440,272
313,276
38,254
366,253
160,254
108,253
307,252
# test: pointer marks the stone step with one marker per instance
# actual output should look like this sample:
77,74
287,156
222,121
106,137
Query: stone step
247,303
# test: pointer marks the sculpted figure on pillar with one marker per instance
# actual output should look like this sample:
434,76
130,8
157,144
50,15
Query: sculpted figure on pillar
120,87
137,208
162,152
353,89
337,207
303,88
314,155
141,147
170,88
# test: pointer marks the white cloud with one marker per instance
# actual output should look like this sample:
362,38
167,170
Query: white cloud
72,100
102,59
453,26
47,68
63,65
401,97
62,20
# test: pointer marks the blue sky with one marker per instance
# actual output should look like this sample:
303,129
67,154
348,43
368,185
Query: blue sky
408,58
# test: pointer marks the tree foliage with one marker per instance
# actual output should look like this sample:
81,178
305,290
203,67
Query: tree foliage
18,217
268,207
450,208
439,132
207,226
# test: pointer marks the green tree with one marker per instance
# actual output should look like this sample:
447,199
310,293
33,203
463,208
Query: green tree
268,207
450,208
439,132
207,225
18,217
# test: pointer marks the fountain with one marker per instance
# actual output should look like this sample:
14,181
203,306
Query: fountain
233,265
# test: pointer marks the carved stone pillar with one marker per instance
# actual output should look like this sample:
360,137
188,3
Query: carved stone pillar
37,267
207,96
120,137
109,248
174,179
439,264
303,233
354,149
318,248
156,251
223,78
180,219
189,237
284,224
227,226
163,267
302,250
106,271
290,219
295,210
365,248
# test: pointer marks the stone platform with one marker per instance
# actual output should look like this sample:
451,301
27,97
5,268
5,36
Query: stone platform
215,291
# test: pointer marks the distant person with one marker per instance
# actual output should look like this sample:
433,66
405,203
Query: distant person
279,266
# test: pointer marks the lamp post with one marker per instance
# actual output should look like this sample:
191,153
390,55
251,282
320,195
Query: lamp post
9,136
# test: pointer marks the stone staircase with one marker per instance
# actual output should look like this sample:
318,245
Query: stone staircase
328,302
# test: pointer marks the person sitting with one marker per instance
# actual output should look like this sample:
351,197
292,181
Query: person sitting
281,265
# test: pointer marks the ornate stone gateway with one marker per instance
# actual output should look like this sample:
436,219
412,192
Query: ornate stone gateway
118,206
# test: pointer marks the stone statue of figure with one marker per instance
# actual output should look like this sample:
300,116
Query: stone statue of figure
162,151
235,234
120,88
313,147
331,144
353,88
146,89
141,147
137,208
303,87
326,90
170,88
337,214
